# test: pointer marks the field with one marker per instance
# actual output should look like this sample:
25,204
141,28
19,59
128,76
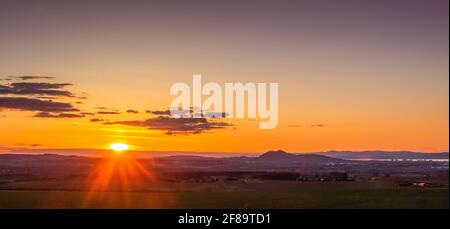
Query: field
267,194
275,179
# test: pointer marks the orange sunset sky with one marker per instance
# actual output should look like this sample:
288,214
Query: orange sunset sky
352,76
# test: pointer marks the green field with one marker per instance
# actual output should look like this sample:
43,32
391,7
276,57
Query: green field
217,198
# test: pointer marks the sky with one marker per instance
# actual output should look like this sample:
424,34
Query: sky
353,75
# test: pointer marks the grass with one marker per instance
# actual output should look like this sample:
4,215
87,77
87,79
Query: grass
216,198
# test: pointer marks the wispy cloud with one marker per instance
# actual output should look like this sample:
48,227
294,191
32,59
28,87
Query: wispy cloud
42,97
58,115
87,113
29,88
97,120
189,113
108,112
164,112
174,126
131,111
30,104
30,77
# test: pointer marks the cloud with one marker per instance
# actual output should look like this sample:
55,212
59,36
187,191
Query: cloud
41,97
37,96
97,120
31,104
36,145
87,113
318,125
210,114
132,111
175,125
59,115
28,88
30,77
108,112
164,112
189,113
45,97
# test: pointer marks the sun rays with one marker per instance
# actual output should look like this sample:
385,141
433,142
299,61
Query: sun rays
120,172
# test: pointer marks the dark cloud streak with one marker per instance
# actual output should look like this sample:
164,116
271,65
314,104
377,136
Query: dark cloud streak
30,77
131,111
97,120
108,112
59,115
174,126
30,104
28,88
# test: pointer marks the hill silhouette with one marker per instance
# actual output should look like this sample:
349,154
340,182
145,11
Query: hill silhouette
281,156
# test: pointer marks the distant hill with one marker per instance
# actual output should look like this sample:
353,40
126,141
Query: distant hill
277,155
280,156
191,155
374,155
20,166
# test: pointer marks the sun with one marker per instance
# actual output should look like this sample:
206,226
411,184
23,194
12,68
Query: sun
119,147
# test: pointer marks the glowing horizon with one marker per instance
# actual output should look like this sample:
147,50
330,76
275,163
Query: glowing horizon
351,77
